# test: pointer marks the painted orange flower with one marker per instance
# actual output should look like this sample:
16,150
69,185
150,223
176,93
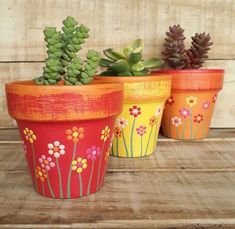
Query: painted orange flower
152,121
41,174
75,134
79,165
29,135
105,134
118,132
107,155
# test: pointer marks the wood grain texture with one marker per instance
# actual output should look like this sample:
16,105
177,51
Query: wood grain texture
114,23
184,185
224,115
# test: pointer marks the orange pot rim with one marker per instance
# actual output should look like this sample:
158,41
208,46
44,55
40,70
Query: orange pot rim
28,101
144,89
129,79
196,79
200,70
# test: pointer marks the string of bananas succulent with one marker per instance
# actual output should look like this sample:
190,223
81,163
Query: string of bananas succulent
128,62
62,61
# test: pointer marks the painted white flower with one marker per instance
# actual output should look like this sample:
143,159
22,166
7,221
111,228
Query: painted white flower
122,122
176,121
56,149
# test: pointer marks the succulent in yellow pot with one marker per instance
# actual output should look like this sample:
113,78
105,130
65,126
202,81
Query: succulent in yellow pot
136,129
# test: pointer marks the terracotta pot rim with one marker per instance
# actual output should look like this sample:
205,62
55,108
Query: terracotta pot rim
27,101
200,70
29,84
153,77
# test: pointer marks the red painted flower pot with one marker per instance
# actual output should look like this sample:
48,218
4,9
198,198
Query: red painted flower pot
189,109
66,132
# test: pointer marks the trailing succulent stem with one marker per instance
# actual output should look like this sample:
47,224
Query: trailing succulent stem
128,62
177,57
62,61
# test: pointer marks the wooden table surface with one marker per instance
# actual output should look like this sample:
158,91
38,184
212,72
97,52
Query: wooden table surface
183,185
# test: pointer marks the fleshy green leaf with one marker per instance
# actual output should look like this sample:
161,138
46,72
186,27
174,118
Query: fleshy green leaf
120,66
138,66
105,62
144,72
153,63
134,58
112,54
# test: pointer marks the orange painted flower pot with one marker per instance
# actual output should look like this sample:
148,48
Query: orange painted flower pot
188,111
136,129
66,133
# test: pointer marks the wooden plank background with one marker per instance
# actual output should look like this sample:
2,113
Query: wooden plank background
114,23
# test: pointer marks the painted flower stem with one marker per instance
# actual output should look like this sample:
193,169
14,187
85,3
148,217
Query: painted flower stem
141,145
43,189
112,150
70,171
125,145
195,132
183,128
132,135
191,123
148,141
34,167
49,186
177,132
169,125
89,183
80,184
155,135
117,147
60,180
100,161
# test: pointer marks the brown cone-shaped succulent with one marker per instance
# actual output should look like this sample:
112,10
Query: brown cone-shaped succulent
177,57
198,51
174,47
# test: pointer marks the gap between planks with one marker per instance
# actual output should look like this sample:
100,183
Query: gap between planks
137,224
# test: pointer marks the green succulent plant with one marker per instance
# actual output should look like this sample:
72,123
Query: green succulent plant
128,62
62,61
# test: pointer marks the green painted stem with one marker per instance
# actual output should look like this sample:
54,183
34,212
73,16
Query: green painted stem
100,161
177,132
148,141
70,171
191,123
80,184
34,167
184,127
141,145
49,186
155,135
60,180
43,189
117,147
89,183
112,150
132,135
124,141
195,132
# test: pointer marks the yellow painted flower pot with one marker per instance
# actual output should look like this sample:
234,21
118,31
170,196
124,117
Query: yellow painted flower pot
136,129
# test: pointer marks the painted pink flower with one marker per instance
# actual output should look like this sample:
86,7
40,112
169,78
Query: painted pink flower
93,153
46,162
214,98
184,112
135,111
206,105
170,100
198,118
56,149
176,121
141,130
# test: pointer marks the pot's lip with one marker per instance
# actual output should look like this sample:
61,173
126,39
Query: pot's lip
94,84
155,76
200,70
